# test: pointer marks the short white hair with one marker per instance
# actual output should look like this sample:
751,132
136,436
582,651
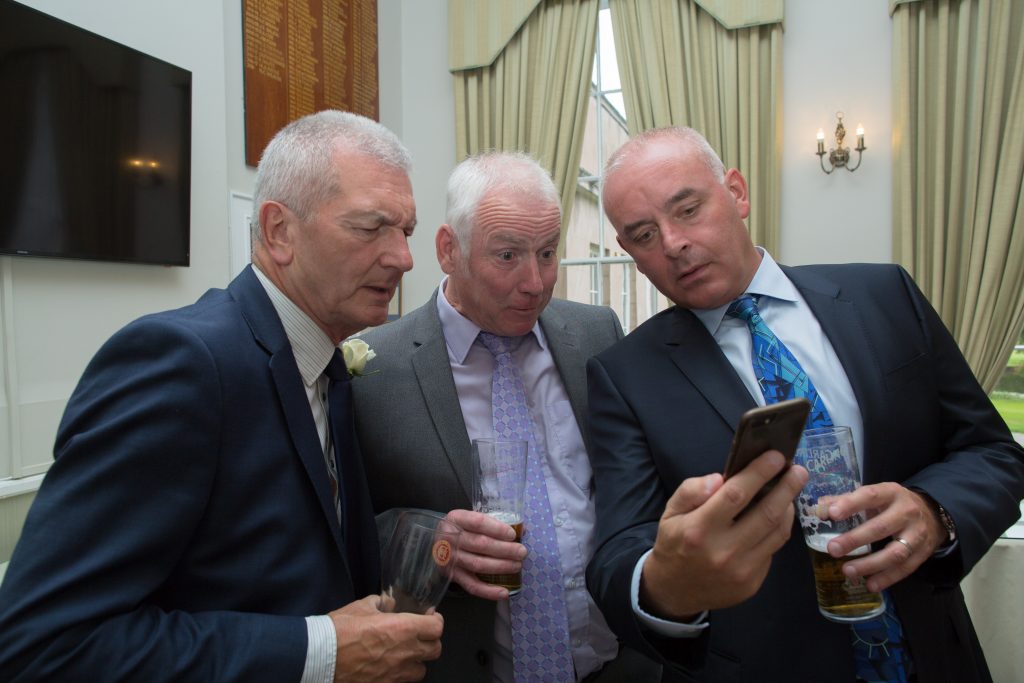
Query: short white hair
476,176
297,170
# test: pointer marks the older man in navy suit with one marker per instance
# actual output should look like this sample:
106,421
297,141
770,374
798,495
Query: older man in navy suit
206,518
722,598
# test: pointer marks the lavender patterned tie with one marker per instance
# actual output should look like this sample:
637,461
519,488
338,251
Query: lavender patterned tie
540,627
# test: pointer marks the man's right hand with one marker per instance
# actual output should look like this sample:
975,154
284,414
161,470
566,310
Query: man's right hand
704,558
380,646
487,546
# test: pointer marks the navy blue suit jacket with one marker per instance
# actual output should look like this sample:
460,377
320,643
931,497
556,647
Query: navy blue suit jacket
186,525
664,403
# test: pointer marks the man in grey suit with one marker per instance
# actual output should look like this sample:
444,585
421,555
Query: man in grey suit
429,394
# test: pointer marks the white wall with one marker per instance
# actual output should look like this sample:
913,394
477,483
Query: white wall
836,56
421,110
56,313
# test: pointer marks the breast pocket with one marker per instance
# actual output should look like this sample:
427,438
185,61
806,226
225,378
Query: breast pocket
907,372
566,443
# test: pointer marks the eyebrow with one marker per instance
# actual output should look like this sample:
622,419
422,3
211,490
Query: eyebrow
379,217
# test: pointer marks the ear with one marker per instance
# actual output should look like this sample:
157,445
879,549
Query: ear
737,186
449,252
277,227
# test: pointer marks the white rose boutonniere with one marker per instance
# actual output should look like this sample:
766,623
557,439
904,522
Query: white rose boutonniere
357,354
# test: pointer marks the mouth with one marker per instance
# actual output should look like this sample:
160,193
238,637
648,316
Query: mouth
384,291
691,274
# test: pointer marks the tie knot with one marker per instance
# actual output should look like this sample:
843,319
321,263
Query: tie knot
336,370
744,308
495,344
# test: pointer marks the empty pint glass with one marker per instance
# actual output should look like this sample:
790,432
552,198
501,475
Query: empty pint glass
499,485
828,454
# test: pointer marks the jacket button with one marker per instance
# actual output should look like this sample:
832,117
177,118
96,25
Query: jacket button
481,657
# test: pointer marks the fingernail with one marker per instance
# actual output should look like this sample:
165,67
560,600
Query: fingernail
834,549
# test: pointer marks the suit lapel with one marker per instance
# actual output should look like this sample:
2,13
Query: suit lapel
843,324
434,374
698,356
269,333
564,347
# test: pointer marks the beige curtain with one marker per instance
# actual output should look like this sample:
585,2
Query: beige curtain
958,134
533,97
680,66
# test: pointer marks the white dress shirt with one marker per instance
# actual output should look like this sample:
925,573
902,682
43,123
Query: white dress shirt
566,471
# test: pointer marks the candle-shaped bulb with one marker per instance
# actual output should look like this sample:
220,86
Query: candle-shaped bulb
821,141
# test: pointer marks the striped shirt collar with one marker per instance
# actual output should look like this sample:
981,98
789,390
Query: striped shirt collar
312,347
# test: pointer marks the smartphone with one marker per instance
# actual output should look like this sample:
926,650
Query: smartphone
778,426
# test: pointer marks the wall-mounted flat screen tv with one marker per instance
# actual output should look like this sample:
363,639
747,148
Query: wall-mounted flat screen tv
96,143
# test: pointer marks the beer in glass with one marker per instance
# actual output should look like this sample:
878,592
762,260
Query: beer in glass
828,455
499,485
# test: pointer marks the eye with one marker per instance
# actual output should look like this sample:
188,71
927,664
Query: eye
506,255
643,236
547,254
687,211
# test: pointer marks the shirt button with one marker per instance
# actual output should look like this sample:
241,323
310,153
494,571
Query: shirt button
577,642
558,521
571,583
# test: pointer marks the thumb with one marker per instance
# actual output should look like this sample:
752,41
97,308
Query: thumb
691,494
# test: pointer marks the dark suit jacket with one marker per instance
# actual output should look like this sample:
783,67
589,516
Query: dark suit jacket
417,448
663,406
186,527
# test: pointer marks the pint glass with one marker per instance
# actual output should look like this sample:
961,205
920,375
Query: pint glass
499,485
828,454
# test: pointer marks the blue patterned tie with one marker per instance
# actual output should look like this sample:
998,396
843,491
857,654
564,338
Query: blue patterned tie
540,625
879,654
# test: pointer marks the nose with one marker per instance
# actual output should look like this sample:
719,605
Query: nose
530,281
673,239
396,252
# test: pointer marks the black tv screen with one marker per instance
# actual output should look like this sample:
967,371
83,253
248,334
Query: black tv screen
96,140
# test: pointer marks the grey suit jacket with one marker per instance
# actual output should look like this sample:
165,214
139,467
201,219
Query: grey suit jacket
417,450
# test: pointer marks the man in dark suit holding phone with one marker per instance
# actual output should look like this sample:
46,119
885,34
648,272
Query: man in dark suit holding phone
725,599
206,517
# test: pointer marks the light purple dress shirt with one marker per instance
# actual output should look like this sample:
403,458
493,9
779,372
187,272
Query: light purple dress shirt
567,471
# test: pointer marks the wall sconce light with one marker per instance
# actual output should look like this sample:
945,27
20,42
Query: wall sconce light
839,155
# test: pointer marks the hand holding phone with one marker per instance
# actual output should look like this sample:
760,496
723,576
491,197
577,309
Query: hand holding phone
778,427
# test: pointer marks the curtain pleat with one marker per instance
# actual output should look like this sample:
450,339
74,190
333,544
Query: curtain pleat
533,97
680,66
958,134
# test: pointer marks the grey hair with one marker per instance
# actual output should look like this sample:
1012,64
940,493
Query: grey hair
296,168
652,135
477,175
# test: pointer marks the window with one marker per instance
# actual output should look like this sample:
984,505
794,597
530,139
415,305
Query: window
595,269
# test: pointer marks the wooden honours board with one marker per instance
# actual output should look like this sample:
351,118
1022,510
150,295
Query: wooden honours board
302,56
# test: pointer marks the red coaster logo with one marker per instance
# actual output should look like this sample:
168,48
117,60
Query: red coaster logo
442,552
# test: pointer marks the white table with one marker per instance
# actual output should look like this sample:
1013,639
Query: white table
994,592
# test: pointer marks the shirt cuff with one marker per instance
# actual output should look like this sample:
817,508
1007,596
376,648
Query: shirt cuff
321,650
663,627
945,550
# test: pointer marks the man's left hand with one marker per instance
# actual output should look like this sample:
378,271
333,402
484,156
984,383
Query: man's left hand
894,512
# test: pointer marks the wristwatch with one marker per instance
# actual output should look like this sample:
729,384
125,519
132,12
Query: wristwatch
947,523
944,518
